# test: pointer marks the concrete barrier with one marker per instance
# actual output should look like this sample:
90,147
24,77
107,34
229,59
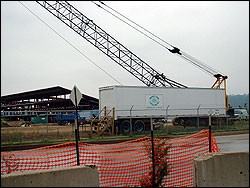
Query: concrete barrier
79,176
228,169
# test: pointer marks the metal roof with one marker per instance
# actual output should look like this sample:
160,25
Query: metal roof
45,93
36,94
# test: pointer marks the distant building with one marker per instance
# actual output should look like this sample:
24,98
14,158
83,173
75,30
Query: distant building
32,103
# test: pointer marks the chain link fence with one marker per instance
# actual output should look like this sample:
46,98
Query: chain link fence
128,121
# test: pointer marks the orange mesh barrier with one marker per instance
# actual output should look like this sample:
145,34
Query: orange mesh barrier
122,164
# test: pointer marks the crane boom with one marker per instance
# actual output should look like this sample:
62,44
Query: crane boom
87,29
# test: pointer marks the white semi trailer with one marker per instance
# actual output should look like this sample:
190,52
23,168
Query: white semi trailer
137,104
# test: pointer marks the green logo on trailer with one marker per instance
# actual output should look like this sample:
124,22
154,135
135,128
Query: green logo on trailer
154,100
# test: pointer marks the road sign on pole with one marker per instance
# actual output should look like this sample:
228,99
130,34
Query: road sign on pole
75,97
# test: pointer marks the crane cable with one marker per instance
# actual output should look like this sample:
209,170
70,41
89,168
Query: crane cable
127,23
69,43
175,50
202,66
131,26
188,57
133,23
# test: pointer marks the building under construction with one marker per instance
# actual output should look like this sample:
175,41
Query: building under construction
54,100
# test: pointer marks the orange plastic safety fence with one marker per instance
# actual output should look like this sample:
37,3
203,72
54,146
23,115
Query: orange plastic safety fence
122,164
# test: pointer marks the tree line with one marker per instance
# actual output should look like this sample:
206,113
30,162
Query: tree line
239,100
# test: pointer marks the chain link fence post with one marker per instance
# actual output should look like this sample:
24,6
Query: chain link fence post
130,119
166,118
198,118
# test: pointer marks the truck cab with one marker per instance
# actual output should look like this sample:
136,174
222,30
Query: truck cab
241,114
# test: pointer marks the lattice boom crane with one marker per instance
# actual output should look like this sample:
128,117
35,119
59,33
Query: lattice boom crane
104,42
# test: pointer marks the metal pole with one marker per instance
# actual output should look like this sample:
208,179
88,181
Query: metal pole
227,122
198,118
210,149
91,127
153,153
130,121
113,121
77,148
167,118
76,131
47,125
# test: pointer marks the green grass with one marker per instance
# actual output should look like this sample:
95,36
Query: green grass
17,142
18,138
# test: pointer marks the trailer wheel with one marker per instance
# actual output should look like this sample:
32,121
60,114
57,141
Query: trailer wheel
125,126
176,121
59,122
139,126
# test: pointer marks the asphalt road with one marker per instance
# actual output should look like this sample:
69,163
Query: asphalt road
230,143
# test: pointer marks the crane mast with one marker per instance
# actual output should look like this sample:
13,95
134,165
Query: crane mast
87,29
217,84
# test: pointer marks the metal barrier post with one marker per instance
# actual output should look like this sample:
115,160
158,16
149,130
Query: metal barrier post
153,153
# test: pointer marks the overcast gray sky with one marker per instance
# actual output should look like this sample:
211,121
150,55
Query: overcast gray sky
215,32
